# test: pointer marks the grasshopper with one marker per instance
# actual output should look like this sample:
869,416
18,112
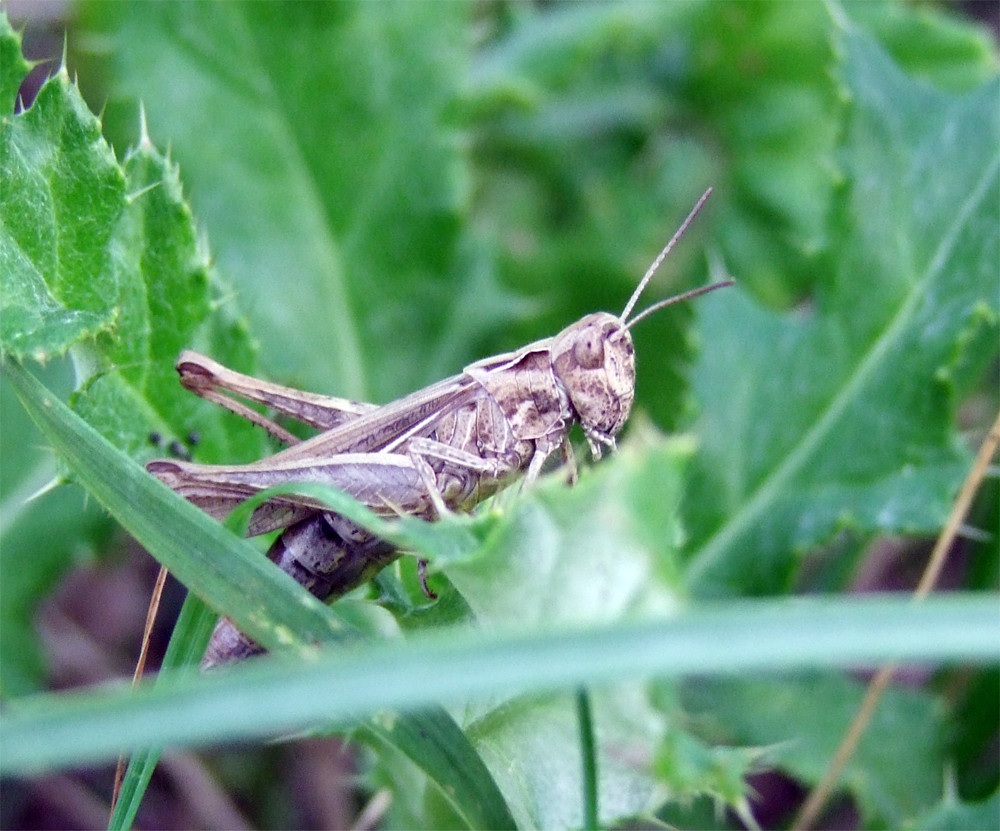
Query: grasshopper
444,448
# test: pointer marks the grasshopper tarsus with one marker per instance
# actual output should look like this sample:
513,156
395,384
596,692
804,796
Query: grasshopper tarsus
444,448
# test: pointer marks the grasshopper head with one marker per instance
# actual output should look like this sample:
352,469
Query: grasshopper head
595,361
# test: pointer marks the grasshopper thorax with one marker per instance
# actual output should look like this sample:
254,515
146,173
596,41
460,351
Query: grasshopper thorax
594,361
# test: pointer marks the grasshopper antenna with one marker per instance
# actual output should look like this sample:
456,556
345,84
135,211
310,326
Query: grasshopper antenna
656,264
680,298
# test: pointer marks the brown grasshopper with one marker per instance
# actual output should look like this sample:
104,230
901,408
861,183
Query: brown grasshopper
443,448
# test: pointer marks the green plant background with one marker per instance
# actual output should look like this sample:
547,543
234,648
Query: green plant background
374,196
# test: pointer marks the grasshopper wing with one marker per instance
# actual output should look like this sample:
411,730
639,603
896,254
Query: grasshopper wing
387,483
363,456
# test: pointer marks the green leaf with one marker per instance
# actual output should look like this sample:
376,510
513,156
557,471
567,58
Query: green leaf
533,745
43,530
328,173
687,764
896,771
63,193
39,539
842,417
463,780
342,684
931,44
954,815
605,550
89,247
13,66
602,551
468,666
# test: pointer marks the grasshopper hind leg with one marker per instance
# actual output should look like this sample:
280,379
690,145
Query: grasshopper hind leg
228,645
326,554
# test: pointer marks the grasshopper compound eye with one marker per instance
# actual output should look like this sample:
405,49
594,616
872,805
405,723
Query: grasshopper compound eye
588,351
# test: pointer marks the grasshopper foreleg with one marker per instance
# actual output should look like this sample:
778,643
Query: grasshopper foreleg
542,452
569,460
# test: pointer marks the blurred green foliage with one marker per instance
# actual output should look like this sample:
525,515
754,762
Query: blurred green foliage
375,196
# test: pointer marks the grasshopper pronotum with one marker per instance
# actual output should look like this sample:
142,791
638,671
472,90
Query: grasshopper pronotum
446,447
